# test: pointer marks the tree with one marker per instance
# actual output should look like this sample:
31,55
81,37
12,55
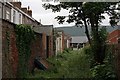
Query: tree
87,14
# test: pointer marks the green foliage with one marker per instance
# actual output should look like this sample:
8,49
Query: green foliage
98,45
102,35
76,10
89,52
105,71
71,64
24,37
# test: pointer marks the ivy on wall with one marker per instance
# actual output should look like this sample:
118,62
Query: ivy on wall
24,38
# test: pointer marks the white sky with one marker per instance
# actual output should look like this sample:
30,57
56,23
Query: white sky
47,16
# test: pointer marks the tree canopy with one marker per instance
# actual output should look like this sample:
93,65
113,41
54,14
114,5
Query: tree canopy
88,14
85,13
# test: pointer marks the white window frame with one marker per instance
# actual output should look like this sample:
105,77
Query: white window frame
14,16
7,15
20,18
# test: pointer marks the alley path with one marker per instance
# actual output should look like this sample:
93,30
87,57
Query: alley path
72,64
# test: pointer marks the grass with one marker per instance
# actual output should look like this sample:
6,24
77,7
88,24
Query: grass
71,64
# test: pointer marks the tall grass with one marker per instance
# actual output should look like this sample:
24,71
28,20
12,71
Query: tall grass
69,64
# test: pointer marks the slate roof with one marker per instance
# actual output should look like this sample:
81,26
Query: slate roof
79,39
43,29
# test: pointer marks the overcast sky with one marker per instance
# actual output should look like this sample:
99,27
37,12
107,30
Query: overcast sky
47,16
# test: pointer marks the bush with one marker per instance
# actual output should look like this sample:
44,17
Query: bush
98,45
105,71
88,51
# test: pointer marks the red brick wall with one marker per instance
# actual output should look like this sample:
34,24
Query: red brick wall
36,49
9,51
113,37
43,45
51,45
10,57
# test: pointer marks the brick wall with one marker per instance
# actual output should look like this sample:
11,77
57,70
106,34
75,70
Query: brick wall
113,37
36,49
10,51
51,53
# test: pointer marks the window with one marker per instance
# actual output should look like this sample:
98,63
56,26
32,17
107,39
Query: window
14,16
20,19
8,15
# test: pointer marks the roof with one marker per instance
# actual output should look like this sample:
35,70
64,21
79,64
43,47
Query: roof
73,31
22,12
79,39
43,29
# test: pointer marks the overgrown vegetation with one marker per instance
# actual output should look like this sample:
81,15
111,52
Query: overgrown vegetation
24,37
104,71
99,44
72,64
79,64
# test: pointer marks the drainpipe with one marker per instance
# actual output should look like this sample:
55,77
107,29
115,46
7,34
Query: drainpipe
3,9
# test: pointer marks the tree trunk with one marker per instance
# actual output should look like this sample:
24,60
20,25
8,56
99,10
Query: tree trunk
87,32
97,45
86,28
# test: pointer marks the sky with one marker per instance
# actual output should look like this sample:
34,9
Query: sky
47,16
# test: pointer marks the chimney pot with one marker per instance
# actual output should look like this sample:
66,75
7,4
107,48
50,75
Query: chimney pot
30,12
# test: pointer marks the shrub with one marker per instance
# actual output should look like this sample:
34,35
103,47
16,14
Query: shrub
105,71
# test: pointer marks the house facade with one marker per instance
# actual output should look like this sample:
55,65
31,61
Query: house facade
5,11
78,42
13,12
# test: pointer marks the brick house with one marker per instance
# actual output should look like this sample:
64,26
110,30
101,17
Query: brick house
114,36
13,12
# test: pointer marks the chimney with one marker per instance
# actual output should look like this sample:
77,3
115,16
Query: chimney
29,11
40,20
24,10
16,4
